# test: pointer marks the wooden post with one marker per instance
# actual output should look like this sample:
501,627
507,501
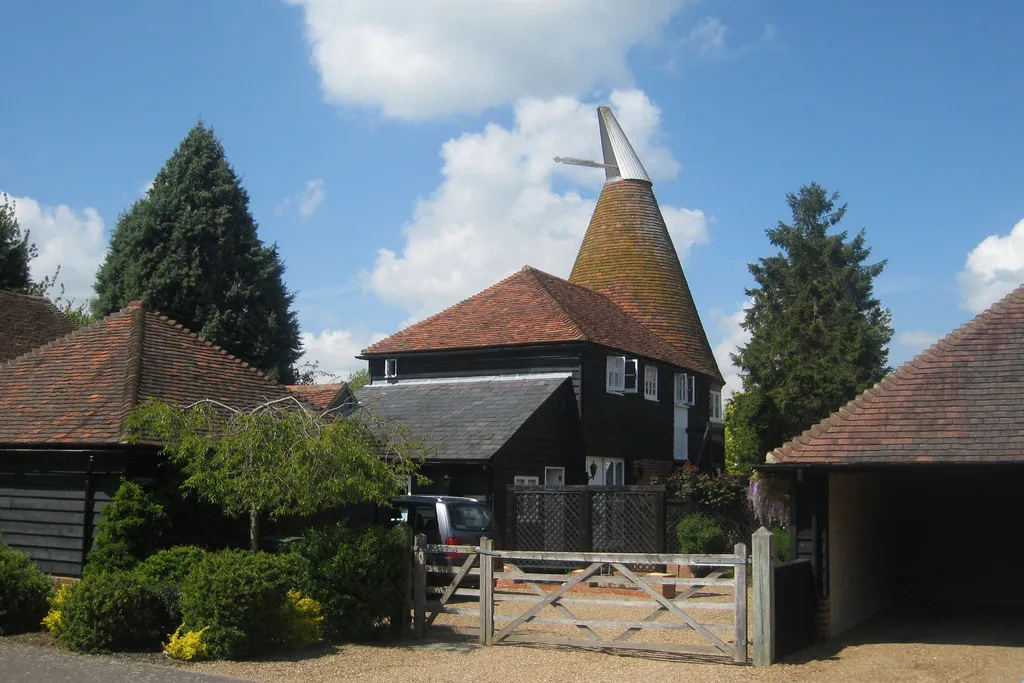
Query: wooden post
740,597
659,521
486,592
419,585
407,583
764,598
586,530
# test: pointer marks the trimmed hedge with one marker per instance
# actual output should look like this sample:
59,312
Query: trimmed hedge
171,565
356,575
114,610
241,596
701,535
23,592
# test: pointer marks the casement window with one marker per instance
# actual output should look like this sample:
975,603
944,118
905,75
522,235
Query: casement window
391,367
685,389
523,480
554,476
715,411
606,471
620,374
651,382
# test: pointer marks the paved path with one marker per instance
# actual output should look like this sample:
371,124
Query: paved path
33,664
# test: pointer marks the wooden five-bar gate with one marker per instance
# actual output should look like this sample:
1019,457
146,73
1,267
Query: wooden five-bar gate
608,602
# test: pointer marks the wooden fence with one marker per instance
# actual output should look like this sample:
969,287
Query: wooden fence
515,605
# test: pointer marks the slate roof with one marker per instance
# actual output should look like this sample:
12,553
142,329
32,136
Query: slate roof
628,255
321,396
959,402
78,389
460,419
27,322
530,307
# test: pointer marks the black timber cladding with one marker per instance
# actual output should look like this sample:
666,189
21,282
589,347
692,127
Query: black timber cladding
50,501
461,419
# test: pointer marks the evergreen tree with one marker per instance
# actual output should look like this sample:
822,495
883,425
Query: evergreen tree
15,251
818,335
190,247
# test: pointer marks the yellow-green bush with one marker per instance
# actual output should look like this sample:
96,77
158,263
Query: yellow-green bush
54,620
301,623
188,647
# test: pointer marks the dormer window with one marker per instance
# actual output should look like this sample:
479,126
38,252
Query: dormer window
651,382
621,374
685,389
715,411
391,367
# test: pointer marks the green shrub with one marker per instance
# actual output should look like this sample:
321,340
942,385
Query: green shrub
355,575
781,544
700,535
114,610
23,592
166,570
172,564
129,530
240,595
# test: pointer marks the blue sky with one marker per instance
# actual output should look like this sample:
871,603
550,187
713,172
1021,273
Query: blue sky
399,154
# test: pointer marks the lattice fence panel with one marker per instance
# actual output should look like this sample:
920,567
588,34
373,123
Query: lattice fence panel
548,520
624,521
675,510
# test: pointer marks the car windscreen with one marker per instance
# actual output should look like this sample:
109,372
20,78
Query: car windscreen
469,517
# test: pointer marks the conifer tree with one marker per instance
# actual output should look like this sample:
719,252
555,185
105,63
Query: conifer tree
190,247
15,251
818,334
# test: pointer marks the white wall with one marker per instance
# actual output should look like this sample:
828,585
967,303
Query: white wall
860,570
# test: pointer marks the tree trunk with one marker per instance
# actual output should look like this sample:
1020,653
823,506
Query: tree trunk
254,530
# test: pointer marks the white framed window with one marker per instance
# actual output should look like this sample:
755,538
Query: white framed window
631,380
715,411
620,374
405,481
685,389
615,372
651,382
606,471
391,367
524,480
554,476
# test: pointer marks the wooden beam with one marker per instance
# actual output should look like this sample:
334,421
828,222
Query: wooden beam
764,597
740,615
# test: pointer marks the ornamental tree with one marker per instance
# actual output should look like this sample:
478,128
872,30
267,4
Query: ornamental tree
278,458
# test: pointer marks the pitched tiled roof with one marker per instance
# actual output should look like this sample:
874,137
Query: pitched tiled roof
78,389
321,396
960,401
627,254
531,307
459,419
27,322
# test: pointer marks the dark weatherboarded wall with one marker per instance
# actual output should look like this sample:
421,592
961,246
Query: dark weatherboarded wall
50,501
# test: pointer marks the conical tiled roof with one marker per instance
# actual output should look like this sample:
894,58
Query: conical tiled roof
628,255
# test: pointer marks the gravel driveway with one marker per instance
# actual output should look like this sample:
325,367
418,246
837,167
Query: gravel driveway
897,647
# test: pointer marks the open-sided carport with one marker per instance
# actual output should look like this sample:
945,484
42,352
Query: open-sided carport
912,491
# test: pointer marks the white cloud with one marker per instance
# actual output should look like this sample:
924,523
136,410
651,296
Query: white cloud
731,336
65,237
335,350
994,268
915,341
144,190
307,200
417,60
497,208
